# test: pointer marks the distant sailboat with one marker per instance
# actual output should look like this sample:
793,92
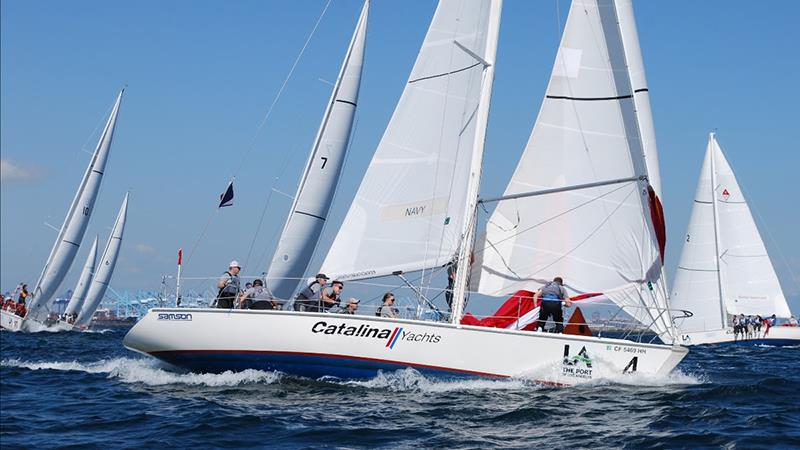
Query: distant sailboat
70,235
724,268
79,293
417,208
102,276
324,167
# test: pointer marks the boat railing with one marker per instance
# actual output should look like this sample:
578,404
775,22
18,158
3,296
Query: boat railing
420,303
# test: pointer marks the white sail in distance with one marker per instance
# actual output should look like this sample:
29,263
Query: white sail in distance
315,192
724,267
75,223
103,274
85,279
600,239
408,212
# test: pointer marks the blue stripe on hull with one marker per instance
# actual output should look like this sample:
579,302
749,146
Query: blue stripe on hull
300,365
773,342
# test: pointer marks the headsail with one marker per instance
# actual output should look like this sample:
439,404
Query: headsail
409,210
103,274
79,293
724,267
323,169
599,239
75,223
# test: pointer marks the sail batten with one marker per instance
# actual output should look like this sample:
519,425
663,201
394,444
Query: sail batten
108,262
75,223
316,189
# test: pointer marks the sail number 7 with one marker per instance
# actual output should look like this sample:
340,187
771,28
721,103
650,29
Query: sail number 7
324,161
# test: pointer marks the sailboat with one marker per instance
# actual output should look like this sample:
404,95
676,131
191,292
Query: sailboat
93,294
417,207
84,280
69,237
724,269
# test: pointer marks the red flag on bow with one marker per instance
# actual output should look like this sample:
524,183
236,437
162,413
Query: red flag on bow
180,256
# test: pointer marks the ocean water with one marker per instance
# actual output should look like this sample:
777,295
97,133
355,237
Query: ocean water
84,390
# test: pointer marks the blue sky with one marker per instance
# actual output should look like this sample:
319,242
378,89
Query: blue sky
201,75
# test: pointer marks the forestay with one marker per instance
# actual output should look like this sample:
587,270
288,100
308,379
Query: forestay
103,274
323,169
85,279
408,213
599,239
75,223
724,267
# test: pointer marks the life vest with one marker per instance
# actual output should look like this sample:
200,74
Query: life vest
230,289
308,293
551,291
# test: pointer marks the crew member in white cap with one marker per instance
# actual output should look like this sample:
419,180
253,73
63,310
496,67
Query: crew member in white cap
229,286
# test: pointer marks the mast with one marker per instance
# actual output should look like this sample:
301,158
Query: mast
715,214
473,183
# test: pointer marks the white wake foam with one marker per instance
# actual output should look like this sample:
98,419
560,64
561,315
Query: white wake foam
149,372
406,380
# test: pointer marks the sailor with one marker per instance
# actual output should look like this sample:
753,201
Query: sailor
23,294
772,320
229,286
737,327
451,281
329,297
258,297
388,310
352,306
792,321
308,298
552,294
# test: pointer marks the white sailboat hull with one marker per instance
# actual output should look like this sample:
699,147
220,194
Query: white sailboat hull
10,321
318,345
777,336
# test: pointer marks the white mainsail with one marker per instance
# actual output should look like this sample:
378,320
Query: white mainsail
724,267
323,169
102,276
75,223
600,239
408,213
79,293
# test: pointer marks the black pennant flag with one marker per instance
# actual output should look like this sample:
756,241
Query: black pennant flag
226,199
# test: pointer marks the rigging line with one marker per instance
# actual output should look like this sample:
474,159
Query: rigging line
266,207
261,261
772,239
99,122
536,225
283,86
200,237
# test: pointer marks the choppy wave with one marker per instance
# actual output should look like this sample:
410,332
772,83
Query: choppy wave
149,372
